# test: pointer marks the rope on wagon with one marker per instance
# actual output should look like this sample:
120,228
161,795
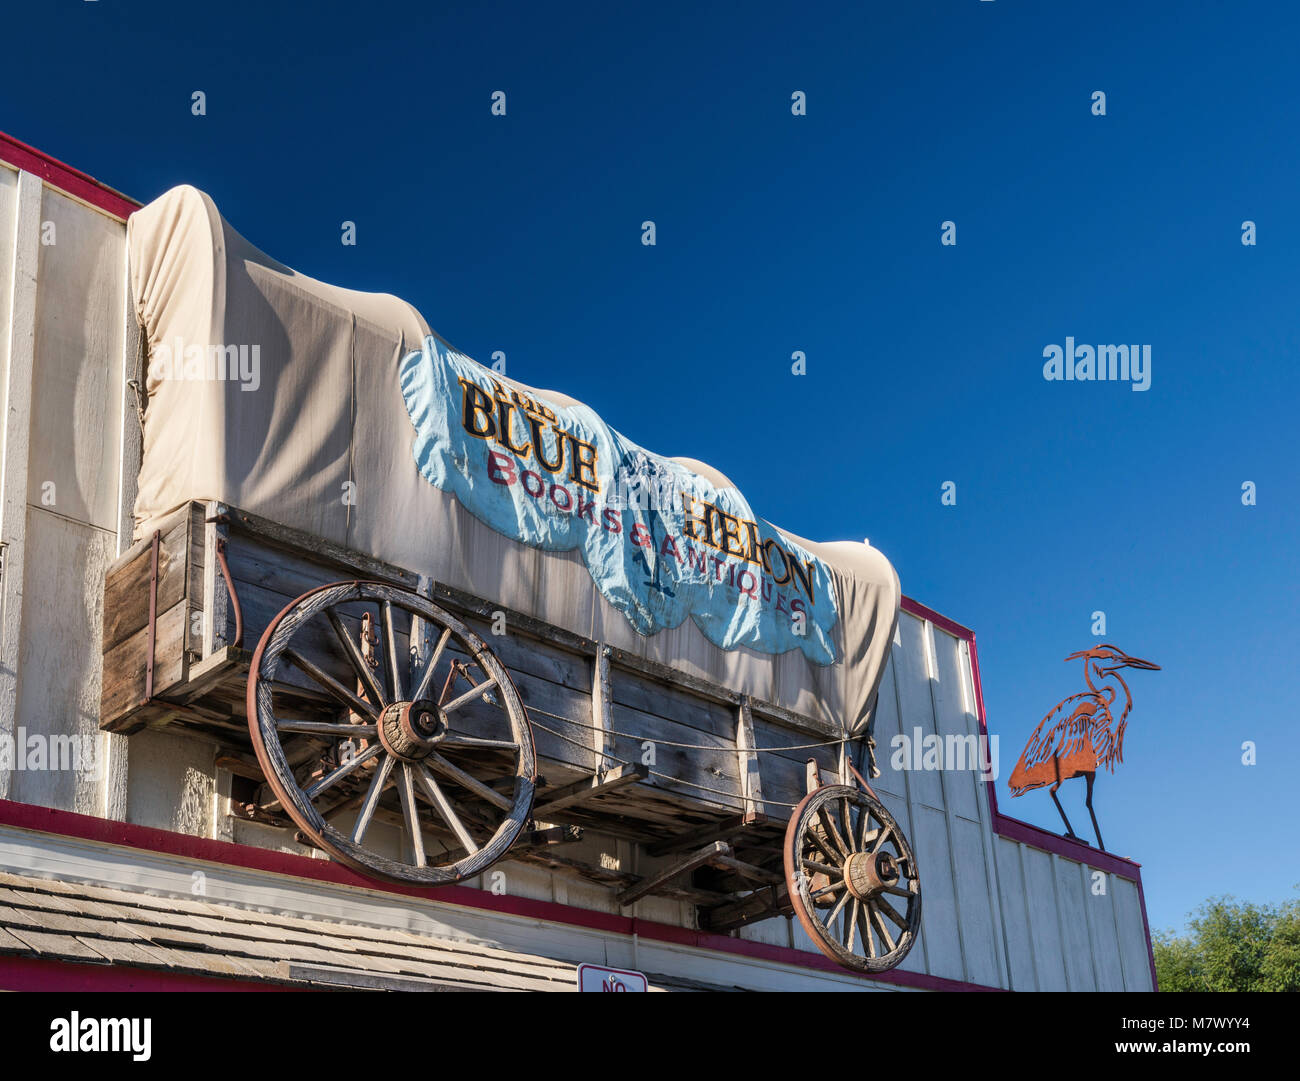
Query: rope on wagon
656,773
696,746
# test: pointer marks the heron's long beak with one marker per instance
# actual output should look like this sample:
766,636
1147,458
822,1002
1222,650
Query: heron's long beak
1134,662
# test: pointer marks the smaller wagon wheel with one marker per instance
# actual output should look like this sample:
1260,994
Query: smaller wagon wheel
399,745
852,878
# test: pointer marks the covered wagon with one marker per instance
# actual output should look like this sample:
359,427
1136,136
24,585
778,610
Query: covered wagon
434,616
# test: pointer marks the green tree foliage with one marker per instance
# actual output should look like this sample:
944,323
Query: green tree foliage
1233,946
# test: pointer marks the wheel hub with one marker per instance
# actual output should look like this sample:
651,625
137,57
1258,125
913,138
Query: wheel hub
410,730
868,873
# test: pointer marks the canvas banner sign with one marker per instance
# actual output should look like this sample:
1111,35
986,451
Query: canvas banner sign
661,542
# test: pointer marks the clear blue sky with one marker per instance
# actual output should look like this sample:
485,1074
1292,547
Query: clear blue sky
821,234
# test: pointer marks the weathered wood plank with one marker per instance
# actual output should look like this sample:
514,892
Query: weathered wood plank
751,779
724,830
584,791
355,564
654,882
602,719
126,590
689,711
123,691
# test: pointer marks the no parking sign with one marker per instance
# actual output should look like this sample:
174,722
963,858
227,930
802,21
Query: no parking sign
599,978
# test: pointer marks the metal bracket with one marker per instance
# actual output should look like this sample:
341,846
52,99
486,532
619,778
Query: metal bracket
224,519
153,614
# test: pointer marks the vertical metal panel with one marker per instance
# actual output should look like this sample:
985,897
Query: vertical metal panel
939,912
1044,922
980,941
985,812
1101,928
953,721
891,782
1015,916
1132,936
1074,925
915,711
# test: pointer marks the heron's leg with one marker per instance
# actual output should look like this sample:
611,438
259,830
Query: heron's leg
1069,830
1095,828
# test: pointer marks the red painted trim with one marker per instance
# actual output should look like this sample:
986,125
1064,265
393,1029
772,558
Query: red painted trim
1146,930
65,178
916,608
37,974
122,834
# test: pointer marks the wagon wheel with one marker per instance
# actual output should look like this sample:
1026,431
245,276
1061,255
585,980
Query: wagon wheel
852,878
418,729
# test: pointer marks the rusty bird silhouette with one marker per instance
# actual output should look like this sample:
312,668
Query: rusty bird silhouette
1086,737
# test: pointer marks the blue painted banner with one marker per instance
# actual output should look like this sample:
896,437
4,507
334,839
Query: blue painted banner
660,541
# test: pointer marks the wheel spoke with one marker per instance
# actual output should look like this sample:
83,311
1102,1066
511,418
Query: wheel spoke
827,889
865,927
482,744
864,822
846,820
820,868
347,697
828,824
390,644
888,910
377,785
881,929
839,905
353,652
474,692
325,728
446,810
422,691
411,812
851,925
812,835
331,779
450,769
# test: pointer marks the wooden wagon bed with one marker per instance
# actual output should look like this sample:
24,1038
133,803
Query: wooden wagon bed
625,746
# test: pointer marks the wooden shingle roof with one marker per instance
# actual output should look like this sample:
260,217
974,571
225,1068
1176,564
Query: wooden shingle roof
91,924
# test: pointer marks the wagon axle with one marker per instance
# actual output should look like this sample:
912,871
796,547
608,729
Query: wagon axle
868,874
411,730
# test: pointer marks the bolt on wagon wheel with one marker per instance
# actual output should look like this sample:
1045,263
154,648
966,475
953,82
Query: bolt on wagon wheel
852,878
438,747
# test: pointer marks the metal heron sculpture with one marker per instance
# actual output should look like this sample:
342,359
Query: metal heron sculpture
1087,737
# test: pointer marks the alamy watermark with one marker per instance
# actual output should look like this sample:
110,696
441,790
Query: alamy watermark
240,364
951,753
33,752
1101,363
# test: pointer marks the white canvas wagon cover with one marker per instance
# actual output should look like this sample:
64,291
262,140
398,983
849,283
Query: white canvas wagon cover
339,413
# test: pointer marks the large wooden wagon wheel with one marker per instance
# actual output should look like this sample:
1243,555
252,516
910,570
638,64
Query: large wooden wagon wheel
852,878
448,733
